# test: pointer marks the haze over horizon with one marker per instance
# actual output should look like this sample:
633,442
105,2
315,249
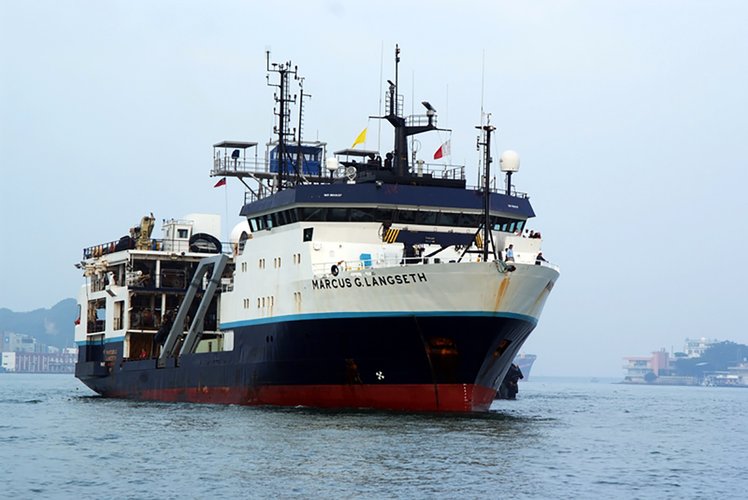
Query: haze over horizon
630,119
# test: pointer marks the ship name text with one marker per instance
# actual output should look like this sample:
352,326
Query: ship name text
368,281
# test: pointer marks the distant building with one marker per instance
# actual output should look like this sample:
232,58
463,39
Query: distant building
659,368
8,361
40,362
637,367
24,354
734,376
18,342
694,348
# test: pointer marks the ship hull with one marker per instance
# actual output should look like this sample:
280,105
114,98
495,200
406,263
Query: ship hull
442,363
525,362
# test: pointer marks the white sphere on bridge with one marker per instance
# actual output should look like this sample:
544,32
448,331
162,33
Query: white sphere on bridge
332,164
509,161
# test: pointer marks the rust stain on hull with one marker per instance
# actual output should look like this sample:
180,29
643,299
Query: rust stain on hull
501,292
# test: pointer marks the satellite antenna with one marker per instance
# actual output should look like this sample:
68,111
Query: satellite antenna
332,164
509,163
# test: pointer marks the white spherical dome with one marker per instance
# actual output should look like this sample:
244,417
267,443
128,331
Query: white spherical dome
509,161
332,164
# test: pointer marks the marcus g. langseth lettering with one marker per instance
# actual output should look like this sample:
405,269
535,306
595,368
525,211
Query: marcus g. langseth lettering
368,281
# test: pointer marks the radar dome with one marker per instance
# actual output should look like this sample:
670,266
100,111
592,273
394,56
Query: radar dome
509,161
332,164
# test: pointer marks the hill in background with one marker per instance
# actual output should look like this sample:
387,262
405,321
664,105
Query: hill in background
53,327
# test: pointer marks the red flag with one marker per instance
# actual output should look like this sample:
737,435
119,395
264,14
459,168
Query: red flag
442,151
220,183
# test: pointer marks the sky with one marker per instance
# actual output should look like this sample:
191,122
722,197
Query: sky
630,118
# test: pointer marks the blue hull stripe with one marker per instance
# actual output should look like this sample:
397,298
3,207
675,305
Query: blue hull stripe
107,340
346,315
374,314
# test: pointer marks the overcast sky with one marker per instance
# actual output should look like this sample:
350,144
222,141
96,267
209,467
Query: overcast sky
630,118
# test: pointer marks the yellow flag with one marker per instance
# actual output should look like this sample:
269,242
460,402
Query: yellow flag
360,139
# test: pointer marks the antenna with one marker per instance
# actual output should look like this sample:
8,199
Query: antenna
299,156
487,130
482,114
379,123
283,98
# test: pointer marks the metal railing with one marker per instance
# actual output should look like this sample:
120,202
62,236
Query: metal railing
419,120
334,267
227,165
155,245
326,268
548,265
500,190
438,171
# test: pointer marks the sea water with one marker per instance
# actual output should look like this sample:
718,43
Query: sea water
559,439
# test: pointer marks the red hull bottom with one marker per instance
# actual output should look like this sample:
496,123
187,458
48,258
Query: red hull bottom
415,397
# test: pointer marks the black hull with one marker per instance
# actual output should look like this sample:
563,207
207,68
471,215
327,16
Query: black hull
430,363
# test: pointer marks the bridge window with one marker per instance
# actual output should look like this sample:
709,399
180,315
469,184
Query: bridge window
406,216
470,220
402,216
337,214
383,214
448,219
506,225
427,218
315,214
361,215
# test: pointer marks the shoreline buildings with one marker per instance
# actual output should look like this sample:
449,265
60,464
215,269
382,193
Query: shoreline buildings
21,353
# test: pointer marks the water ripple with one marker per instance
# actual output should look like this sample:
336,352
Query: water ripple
558,440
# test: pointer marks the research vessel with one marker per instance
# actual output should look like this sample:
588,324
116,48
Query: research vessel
524,362
362,280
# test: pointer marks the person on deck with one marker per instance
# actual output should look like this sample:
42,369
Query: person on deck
510,253
388,161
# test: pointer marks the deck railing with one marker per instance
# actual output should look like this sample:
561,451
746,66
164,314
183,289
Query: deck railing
334,268
226,165
155,245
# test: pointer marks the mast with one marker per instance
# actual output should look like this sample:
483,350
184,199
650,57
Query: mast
403,131
283,98
299,155
487,130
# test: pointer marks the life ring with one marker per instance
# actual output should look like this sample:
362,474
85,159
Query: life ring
334,270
